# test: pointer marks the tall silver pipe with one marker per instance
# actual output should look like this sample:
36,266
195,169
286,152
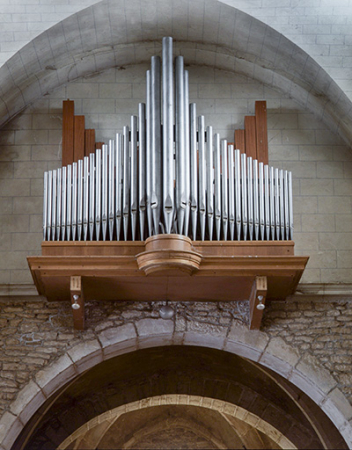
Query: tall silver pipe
181,201
104,191
187,153
244,195
261,202
126,181
272,203
111,189
134,177
287,218
156,141
290,203
230,160
80,199
142,169
282,204
217,188
97,193
64,202
168,134
250,200
194,168
69,202
210,181
45,207
50,202
255,200
58,203
202,176
53,212
119,183
224,186
91,195
149,153
267,202
74,200
238,201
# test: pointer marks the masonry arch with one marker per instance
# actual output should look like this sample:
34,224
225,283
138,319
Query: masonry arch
117,33
229,369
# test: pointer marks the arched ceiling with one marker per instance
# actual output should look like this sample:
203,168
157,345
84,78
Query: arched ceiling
179,370
207,32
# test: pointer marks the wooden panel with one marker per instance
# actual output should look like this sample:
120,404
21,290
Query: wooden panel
89,142
78,143
262,131
240,142
77,299
99,145
259,289
68,110
251,139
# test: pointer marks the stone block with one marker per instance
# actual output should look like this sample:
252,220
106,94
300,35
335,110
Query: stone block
10,428
150,327
86,355
317,187
330,169
310,367
56,375
28,400
335,205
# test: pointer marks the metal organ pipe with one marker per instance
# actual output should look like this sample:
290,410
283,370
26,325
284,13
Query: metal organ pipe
134,188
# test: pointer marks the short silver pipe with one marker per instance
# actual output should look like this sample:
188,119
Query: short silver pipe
148,154
168,134
58,203
290,204
244,195
187,153
91,195
69,202
267,202
287,217
118,184
282,204
142,169
232,217
64,203
126,182
53,212
50,203
79,199
238,195
250,197
45,207
210,181
277,203
224,188
134,177
156,181
97,194
74,201
261,202
181,201
255,199
272,202
194,168
202,176
111,189
104,191
217,186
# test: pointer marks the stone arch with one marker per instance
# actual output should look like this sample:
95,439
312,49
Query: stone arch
117,33
271,352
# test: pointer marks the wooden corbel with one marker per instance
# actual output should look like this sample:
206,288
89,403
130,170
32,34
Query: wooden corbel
77,302
257,297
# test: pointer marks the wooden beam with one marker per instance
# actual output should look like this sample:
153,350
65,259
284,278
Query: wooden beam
257,297
68,111
262,131
77,298
89,142
240,142
251,139
78,141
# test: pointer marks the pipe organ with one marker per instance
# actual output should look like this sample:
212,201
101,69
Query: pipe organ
167,172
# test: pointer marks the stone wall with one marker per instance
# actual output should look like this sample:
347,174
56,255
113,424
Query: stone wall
34,333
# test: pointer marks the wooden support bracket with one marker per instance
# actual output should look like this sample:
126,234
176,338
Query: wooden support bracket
257,297
77,302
